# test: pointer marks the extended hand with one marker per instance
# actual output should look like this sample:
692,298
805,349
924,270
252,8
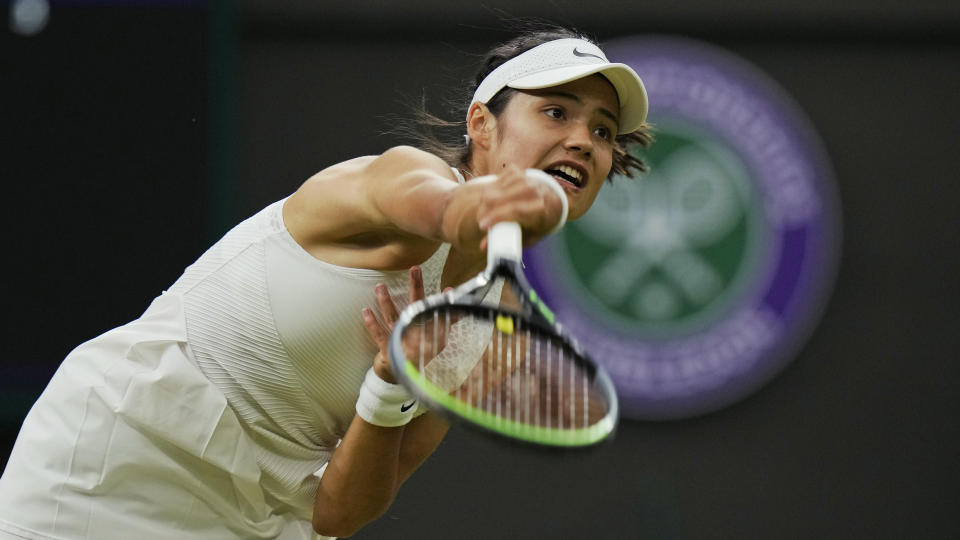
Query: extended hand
380,332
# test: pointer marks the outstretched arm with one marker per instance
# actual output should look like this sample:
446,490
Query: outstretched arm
400,205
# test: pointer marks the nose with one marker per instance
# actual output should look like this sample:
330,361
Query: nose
579,139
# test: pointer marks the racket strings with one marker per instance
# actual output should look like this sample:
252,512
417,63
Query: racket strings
496,363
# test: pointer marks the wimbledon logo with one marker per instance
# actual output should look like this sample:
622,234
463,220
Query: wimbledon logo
697,282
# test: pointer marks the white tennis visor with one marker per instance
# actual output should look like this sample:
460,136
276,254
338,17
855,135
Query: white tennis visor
564,60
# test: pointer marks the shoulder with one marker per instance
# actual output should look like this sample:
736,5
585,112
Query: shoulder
400,160
353,181
410,154
373,211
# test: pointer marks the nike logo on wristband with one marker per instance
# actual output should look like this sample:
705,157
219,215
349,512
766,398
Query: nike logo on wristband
578,53
404,407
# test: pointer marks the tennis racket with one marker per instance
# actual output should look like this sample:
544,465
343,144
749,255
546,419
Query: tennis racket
510,371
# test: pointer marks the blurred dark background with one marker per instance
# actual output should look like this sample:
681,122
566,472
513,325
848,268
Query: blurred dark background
135,133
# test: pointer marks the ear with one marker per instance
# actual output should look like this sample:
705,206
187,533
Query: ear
480,124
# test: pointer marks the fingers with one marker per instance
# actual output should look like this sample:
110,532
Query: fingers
380,332
416,284
529,211
387,309
517,196
375,330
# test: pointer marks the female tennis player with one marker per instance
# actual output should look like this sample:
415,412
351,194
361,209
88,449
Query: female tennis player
249,399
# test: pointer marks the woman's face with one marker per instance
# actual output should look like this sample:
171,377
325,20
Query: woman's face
567,131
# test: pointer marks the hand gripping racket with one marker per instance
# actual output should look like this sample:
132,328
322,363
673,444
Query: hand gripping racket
514,372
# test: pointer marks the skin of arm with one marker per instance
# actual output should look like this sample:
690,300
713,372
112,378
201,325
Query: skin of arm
392,211
367,470
372,462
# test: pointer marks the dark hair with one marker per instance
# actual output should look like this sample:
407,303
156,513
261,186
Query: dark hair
444,138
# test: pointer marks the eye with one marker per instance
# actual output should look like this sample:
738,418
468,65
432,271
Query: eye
554,112
604,133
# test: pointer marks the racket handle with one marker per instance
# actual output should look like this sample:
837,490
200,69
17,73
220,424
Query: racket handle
504,241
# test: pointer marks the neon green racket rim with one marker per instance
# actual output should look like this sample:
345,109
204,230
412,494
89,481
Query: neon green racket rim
563,437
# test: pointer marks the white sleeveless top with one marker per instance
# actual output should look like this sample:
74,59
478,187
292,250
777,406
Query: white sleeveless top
279,333
212,411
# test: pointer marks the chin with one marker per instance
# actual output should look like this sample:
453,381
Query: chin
575,213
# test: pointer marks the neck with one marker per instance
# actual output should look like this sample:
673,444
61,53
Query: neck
477,166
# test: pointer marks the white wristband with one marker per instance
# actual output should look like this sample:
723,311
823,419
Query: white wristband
383,404
550,181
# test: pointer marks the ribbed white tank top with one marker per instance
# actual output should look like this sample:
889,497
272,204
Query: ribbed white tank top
279,332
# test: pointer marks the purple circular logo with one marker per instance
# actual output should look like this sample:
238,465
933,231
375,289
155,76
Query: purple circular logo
696,283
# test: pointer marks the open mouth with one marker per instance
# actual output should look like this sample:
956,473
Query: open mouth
567,174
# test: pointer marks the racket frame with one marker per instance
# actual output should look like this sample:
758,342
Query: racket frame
534,313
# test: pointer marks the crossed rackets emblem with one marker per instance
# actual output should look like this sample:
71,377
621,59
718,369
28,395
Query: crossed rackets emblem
655,227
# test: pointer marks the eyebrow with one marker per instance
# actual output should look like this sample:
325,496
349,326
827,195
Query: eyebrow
559,93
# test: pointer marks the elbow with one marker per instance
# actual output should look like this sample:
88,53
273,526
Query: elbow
334,529
344,522
336,526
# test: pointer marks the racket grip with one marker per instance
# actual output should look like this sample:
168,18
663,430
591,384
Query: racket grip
504,241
